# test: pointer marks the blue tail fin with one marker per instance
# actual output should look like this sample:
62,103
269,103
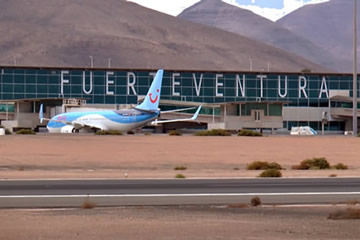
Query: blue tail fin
151,101
41,113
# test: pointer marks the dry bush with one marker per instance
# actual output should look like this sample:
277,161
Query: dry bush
174,133
348,213
249,133
178,168
271,173
255,201
313,164
259,165
180,176
213,132
87,204
21,168
340,166
26,132
352,202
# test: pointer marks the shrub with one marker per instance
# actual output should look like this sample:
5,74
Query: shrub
148,134
110,132
340,166
21,168
238,205
271,173
175,133
258,165
87,204
249,133
213,132
314,163
177,168
130,133
352,202
349,213
255,201
179,176
26,132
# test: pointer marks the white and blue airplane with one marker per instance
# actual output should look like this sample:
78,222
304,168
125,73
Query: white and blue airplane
122,120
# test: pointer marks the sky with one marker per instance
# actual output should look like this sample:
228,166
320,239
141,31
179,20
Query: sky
270,9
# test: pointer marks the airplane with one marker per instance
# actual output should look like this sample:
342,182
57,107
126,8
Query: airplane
122,120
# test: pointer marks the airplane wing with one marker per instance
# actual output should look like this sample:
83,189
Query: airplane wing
193,118
178,110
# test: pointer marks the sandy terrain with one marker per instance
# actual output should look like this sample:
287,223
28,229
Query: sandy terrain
176,223
88,156
139,156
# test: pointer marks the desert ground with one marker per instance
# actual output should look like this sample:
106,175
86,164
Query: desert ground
155,156
184,222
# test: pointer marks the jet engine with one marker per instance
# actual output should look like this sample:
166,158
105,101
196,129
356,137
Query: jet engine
69,129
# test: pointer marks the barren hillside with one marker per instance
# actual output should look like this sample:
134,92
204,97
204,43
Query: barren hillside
221,15
67,32
329,25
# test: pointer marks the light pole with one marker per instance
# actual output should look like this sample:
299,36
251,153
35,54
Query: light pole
109,63
91,61
355,73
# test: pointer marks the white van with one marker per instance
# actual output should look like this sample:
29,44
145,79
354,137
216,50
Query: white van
306,130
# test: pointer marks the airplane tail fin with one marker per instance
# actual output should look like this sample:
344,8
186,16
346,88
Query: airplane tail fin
152,99
41,113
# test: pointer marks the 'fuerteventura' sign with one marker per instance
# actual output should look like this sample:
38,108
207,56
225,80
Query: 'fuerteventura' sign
238,83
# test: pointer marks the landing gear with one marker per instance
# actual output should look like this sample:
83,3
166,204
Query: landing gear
75,130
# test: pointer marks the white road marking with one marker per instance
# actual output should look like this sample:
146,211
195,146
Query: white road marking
170,178
182,195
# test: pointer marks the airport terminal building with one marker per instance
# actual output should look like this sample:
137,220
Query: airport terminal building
230,100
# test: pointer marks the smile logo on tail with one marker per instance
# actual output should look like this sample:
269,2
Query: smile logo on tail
154,100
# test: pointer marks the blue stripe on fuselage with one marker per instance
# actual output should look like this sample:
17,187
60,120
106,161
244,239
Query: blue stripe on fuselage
121,116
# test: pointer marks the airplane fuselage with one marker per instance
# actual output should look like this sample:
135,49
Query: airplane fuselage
122,120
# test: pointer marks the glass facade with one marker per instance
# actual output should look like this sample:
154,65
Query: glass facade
123,86
7,107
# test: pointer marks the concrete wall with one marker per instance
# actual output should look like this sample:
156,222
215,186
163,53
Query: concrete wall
311,114
26,120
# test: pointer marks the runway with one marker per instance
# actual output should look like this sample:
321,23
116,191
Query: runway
72,193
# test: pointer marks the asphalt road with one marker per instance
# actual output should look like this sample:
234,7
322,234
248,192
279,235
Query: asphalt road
72,193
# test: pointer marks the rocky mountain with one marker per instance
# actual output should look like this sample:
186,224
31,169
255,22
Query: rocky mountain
219,14
67,32
329,25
